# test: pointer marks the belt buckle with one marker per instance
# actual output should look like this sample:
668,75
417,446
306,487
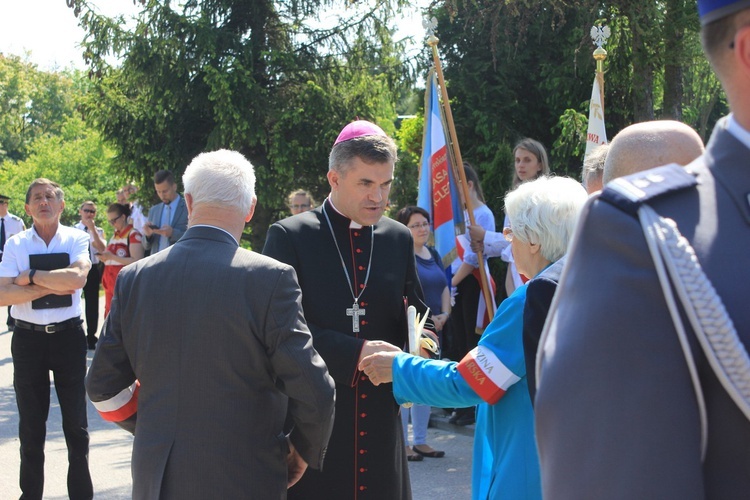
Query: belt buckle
49,328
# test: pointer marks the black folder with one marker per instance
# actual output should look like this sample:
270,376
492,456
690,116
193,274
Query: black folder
50,262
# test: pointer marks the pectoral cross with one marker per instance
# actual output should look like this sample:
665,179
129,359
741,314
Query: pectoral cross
355,312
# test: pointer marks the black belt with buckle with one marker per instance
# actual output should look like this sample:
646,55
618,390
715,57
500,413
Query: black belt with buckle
52,327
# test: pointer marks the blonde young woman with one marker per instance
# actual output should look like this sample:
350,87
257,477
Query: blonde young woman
530,162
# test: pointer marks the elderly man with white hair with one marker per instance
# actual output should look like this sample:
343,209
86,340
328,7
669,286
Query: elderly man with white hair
206,374
542,215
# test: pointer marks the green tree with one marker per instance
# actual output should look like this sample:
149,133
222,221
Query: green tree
521,68
405,184
77,159
33,103
254,76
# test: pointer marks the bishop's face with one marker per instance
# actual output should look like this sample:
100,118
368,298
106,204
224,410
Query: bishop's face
361,191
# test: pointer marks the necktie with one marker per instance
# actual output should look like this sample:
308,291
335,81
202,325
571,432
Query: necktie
163,239
2,236
91,253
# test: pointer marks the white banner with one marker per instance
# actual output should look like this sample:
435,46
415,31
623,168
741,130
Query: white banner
597,135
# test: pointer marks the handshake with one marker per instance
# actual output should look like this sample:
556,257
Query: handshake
376,358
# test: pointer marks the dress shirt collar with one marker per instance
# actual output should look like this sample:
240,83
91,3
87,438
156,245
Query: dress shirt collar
220,229
80,225
35,235
339,218
173,204
734,127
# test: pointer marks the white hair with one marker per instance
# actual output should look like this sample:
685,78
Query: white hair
545,211
221,178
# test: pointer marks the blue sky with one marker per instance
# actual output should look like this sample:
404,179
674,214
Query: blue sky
48,29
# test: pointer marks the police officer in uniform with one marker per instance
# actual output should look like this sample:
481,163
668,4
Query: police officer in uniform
9,225
619,413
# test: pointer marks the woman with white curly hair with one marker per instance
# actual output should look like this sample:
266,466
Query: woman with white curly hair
542,215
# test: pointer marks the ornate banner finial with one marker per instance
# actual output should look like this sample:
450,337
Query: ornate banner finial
599,35
429,25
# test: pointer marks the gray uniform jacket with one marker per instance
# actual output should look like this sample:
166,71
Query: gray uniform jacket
616,413
216,337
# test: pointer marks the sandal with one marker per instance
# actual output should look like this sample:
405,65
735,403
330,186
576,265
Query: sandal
412,456
431,453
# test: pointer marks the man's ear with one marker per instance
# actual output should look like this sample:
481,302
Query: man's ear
742,50
333,179
252,211
189,203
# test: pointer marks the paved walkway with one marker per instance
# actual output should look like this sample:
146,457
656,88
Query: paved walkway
110,450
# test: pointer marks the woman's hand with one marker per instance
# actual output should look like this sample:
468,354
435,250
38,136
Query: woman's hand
106,255
440,320
379,366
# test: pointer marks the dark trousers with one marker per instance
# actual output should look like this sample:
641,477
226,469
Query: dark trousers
464,317
91,297
34,355
464,321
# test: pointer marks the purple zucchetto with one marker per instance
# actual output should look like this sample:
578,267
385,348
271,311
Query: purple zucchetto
713,10
359,128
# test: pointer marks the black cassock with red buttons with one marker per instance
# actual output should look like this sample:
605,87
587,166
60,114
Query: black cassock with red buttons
365,457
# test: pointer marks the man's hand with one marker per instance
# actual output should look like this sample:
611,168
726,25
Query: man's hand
147,229
165,230
373,346
89,223
295,466
23,278
379,366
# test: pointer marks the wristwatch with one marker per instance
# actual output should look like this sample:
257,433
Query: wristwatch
31,276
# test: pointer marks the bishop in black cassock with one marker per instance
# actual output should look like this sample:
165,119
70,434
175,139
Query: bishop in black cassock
365,457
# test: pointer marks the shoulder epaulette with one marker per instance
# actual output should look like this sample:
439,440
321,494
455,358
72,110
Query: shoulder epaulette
15,217
630,192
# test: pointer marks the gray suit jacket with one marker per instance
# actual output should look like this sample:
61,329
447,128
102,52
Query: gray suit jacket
179,223
616,414
216,337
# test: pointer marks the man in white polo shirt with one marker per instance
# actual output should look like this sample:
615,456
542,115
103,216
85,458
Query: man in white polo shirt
48,335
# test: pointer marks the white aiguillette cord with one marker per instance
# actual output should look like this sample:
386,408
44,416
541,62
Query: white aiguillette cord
674,256
355,308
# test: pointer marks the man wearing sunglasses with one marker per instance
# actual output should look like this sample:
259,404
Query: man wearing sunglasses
97,244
